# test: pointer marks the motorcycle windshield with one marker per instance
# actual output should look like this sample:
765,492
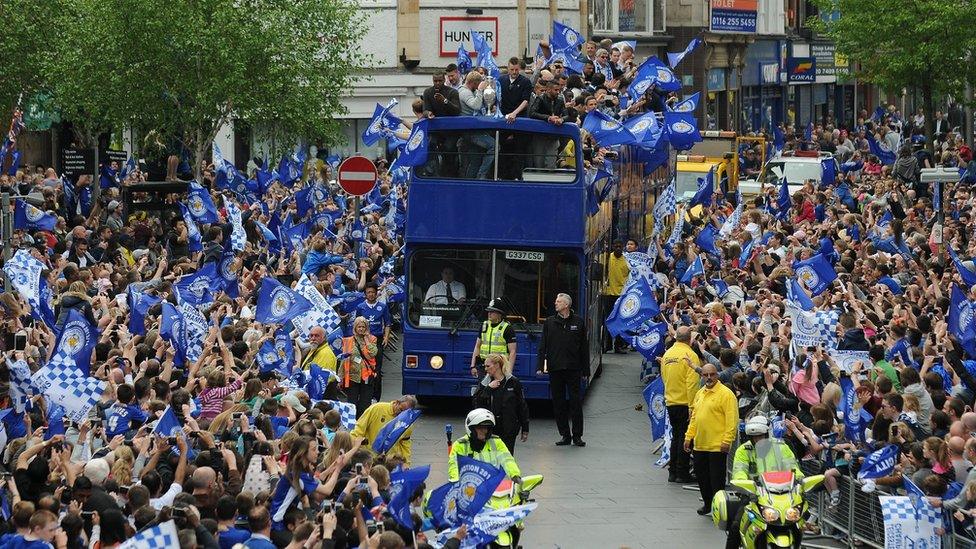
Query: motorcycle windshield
771,454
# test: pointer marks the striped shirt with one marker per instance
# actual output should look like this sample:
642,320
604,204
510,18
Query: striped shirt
212,399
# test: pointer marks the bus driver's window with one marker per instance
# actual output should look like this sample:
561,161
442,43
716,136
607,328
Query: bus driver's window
446,290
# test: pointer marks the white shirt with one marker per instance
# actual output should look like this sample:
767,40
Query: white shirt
437,293
167,499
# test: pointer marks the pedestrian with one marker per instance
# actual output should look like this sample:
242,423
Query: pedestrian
711,431
679,371
501,392
497,336
358,369
617,271
564,355
380,320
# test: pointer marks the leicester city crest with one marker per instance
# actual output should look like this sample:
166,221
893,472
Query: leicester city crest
641,87
630,305
657,406
569,36
33,214
199,287
809,276
608,125
682,127
649,340
197,207
808,323
227,268
319,194
641,125
664,75
73,338
281,301
269,357
416,140
684,106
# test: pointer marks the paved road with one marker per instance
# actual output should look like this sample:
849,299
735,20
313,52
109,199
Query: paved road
606,495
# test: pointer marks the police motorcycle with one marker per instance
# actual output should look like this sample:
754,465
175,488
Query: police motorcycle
775,501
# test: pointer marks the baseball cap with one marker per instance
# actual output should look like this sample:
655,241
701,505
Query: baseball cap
291,400
113,205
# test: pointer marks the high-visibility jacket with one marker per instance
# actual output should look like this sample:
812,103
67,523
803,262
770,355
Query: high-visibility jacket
748,464
495,452
493,339
323,356
362,370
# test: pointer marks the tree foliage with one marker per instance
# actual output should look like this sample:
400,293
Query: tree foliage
24,48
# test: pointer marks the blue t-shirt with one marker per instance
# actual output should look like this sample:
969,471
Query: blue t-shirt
309,485
120,418
378,315
14,424
280,425
230,537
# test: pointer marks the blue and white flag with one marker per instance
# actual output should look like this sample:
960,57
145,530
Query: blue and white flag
568,59
198,288
318,381
195,328
171,330
675,58
851,166
884,155
463,61
682,128
414,153
347,410
391,433
706,187
565,38
383,121
968,277
653,72
848,403
814,329
635,306
645,129
746,253
880,463
228,269
24,273
675,236
783,201
278,304
30,218
665,206
163,536
168,424
706,240
732,222
322,314
605,130
688,105
139,305
649,340
697,268
194,240
641,265
403,484
816,273
486,526
485,57
77,340
238,238
795,293
458,502
277,353
64,384
665,444
909,527
200,204
961,320
657,410
20,384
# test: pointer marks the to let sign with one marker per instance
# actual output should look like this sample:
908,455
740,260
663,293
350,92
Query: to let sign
456,31
734,15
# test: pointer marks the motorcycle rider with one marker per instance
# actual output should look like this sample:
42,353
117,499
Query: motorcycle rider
479,443
750,462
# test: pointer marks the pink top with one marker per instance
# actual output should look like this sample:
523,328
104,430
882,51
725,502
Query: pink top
804,389
212,399
940,469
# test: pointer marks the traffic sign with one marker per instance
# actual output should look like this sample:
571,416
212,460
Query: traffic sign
357,175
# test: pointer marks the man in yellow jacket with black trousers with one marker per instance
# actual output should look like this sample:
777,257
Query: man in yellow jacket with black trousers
714,421
679,371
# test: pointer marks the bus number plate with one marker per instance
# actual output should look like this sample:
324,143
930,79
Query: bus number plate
520,255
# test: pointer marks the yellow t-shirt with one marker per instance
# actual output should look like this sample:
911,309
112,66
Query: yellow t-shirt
617,273
714,418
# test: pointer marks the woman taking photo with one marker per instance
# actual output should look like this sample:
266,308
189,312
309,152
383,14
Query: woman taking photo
360,365
501,392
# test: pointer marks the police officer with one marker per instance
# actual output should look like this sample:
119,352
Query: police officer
481,444
497,336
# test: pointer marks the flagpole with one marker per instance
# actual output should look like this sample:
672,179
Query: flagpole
7,233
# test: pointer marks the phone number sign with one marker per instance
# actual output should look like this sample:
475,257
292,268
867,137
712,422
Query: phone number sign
734,15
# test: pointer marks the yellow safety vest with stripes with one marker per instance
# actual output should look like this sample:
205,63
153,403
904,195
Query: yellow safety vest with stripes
493,339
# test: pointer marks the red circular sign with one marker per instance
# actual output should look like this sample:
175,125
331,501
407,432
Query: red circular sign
357,175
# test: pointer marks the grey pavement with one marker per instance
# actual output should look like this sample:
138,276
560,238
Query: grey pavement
606,495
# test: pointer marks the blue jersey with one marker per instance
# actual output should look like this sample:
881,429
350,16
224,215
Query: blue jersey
120,418
284,497
378,315
230,537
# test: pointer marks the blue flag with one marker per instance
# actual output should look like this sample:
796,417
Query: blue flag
139,305
24,273
880,463
746,253
200,204
414,153
108,177
278,304
485,57
277,353
829,172
682,128
688,105
645,129
55,421
194,240
657,411
228,274
168,424
653,71
463,62
455,503
649,340
706,187
706,240
607,131
565,38
877,149
318,381
403,484
30,218
390,433
635,306
171,330
968,277
892,284
816,273
853,424
796,294
198,288
675,58
697,268
76,339
961,320
383,121
808,133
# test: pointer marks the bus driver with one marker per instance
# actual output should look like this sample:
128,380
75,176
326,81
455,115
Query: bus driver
446,290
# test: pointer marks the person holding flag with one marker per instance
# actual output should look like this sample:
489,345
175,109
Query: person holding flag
372,421
480,443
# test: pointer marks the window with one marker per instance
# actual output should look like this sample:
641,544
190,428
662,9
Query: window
629,16
526,281
499,155
795,172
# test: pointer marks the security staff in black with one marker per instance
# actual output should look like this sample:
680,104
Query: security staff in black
497,336
564,355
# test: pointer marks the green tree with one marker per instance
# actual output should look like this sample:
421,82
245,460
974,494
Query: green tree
905,44
181,69
24,48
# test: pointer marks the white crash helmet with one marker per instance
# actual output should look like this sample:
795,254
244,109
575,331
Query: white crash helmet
479,417
757,425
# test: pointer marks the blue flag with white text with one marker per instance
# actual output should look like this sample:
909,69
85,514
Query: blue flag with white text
682,128
278,303
635,306
403,484
30,218
391,433
605,130
657,410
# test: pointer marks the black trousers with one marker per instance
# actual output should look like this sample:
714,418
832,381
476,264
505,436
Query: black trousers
710,469
509,440
678,415
564,387
359,394
377,381
616,343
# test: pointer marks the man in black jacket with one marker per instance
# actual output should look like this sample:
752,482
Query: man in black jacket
549,107
564,355
516,91
442,100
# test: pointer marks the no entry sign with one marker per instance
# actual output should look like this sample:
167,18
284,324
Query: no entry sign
357,175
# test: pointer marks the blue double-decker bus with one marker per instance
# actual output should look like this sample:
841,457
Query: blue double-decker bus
498,211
